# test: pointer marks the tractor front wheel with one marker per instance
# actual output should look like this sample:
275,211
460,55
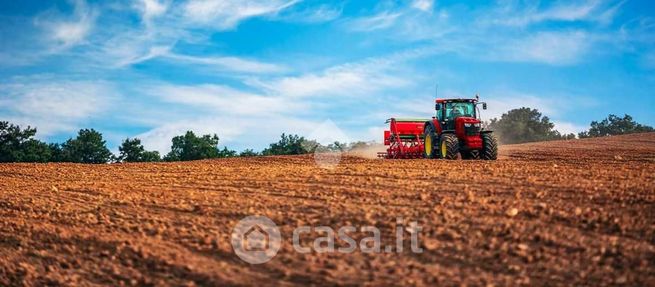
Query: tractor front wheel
449,146
429,142
489,147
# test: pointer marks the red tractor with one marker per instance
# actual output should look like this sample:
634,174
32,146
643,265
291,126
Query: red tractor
455,130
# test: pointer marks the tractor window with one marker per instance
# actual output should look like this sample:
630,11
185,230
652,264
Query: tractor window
460,109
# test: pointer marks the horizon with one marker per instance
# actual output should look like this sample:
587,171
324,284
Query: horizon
249,71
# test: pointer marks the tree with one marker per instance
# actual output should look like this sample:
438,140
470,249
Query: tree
584,134
568,136
88,147
248,153
523,125
191,147
288,145
336,146
56,154
614,125
225,152
34,151
18,145
150,156
131,150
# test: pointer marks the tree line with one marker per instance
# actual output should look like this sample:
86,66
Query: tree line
19,145
529,125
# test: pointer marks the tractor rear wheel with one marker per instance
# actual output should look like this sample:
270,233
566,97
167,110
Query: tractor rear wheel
429,142
489,147
449,146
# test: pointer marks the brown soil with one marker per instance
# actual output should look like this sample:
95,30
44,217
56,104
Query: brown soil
557,213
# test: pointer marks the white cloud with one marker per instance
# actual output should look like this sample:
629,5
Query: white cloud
228,63
567,11
371,23
320,14
152,8
55,106
424,5
165,26
225,100
407,23
66,32
332,82
129,48
131,57
484,42
349,80
498,35
608,15
71,33
402,19
226,14
555,48
138,52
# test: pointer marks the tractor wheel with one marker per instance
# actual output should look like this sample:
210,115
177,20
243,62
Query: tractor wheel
429,143
449,146
489,147
472,154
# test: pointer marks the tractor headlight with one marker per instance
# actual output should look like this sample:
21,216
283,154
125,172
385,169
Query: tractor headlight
477,125
467,125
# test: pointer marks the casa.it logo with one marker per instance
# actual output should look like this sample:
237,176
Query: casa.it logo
256,239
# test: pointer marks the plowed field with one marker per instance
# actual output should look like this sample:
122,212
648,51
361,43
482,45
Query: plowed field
556,213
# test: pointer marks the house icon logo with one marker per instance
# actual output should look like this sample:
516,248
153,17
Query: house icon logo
256,239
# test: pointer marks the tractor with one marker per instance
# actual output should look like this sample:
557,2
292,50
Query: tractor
455,130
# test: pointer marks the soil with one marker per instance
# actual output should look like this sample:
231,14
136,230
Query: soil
578,212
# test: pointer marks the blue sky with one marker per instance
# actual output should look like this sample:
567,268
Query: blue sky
249,70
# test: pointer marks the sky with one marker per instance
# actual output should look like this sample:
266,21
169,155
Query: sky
249,70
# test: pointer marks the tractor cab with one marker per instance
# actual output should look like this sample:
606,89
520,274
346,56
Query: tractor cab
450,112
